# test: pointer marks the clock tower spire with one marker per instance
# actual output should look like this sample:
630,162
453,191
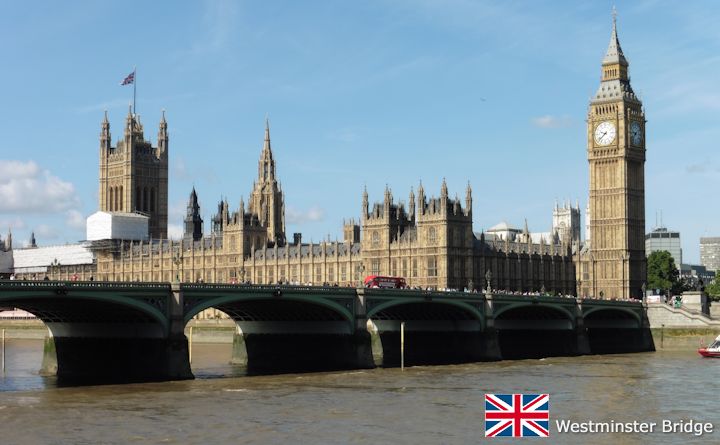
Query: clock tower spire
614,266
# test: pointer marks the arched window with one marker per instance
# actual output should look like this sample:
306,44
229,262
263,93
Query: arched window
110,199
138,198
432,235
120,207
432,267
145,200
375,238
152,199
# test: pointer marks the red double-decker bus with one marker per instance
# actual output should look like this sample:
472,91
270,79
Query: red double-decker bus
377,281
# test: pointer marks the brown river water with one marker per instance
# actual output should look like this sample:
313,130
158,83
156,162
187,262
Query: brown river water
420,405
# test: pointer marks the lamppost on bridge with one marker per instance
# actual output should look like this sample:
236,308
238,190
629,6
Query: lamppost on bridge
242,275
361,271
643,289
55,268
488,279
178,261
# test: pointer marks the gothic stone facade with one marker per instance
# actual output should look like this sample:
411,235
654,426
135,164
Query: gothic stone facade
431,245
134,174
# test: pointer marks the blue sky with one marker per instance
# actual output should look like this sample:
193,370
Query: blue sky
358,93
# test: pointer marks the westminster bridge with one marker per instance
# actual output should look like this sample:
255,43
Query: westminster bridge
114,331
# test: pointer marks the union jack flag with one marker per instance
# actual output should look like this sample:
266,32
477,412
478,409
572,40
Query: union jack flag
517,415
129,79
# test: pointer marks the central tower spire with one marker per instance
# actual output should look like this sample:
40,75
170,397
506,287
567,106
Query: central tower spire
267,199
266,166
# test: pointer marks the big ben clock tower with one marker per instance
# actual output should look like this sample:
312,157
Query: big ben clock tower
615,264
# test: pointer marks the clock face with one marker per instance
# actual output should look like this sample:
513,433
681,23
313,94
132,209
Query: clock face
605,133
636,133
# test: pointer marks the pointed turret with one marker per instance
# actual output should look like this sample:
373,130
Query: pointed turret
129,121
364,209
411,204
615,81
193,222
421,199
163,137
468,200
443,190
387,202
105,138
614,53
33,243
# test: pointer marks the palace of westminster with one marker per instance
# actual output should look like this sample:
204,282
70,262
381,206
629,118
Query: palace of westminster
430,241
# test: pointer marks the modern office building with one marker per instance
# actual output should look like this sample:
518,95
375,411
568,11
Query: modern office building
663,239
710,253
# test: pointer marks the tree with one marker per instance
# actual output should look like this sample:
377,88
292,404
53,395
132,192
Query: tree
713,288
662,273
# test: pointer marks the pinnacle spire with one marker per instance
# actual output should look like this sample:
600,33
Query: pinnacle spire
614,52
266,147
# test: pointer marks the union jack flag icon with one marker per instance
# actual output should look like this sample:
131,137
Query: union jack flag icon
517,415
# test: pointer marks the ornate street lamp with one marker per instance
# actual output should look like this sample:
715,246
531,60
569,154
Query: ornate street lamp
178,260
55,268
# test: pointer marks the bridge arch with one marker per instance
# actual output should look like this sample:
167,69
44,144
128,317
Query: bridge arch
88,307
283,329
437,331
611,313
615,329
462,310
104,332
230,303
534,306
533,330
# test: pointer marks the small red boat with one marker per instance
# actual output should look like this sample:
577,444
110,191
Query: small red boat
712,351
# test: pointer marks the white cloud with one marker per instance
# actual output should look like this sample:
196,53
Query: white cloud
296,216
24,187
549,121
74,219
175,231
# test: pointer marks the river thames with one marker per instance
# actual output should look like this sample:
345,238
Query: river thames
420,405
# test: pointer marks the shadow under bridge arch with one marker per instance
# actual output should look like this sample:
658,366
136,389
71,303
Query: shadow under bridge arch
101,333
288,333
615,330
437,332
534,330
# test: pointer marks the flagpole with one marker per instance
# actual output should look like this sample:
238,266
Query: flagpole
134,87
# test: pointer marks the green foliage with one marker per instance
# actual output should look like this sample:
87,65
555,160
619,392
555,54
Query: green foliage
662,273
713,288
